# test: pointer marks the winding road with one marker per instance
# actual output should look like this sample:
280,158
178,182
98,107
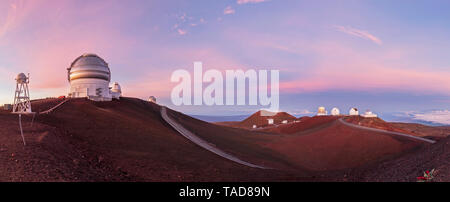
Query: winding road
387,132
202,143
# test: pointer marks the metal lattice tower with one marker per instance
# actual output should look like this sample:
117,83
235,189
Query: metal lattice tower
22,104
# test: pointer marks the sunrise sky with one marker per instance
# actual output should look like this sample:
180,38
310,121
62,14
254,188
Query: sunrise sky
388,56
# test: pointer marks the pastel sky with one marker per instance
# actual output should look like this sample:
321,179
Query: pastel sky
384,55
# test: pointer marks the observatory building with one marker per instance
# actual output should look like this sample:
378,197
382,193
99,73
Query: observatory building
369,114
335,112
89,76
353,112
116,91
321,111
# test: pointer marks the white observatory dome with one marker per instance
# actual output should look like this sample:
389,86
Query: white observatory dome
89,66
152,99
335,111
353,112
21,78
116,88
89,76
321,111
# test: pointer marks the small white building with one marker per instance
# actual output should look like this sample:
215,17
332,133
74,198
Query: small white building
321,111
284,122
369,114
270,121
254,126
116,91
353,112
335,112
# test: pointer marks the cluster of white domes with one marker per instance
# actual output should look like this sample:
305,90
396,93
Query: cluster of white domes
336,112
89,76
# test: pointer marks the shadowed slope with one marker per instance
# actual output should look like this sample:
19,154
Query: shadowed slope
131,134
338,146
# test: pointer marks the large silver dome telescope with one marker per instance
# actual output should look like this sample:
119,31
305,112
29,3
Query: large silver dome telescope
89,76
89,66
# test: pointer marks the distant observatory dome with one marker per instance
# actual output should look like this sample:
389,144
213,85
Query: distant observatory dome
321,111
353,112
116,91
152,99
335,111
21,78
89,76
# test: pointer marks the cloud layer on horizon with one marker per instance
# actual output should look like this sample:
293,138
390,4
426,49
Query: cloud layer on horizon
438,116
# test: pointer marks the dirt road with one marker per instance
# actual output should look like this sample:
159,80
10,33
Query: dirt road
200,142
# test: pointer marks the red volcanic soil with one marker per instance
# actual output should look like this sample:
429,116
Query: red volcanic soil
315,145
410,166
337,146
127,140
375,123
44,104
304,124
260,120
50,155
244,144
423,130
124,140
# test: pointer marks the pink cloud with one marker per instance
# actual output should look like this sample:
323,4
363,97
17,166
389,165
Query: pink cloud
158,82
375,79
48,50
359,33
228,10
333,64
250,1
182,32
